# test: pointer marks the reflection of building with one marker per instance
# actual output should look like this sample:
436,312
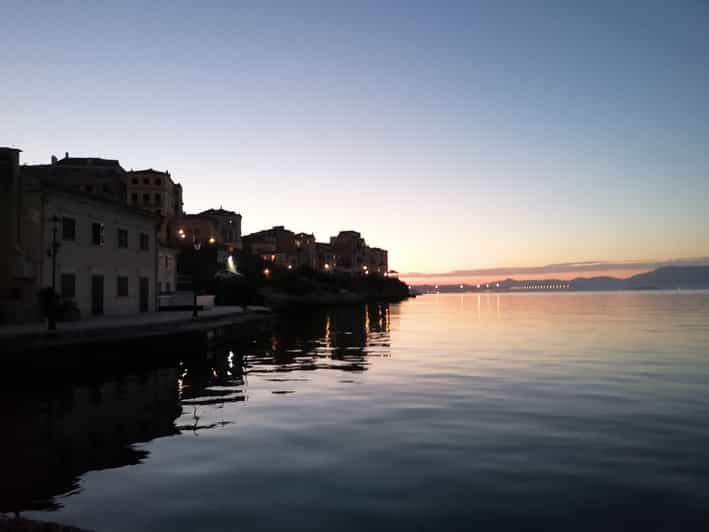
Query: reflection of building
347,334
107,256
54,438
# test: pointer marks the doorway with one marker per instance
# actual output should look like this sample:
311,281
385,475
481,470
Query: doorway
97,295
143,293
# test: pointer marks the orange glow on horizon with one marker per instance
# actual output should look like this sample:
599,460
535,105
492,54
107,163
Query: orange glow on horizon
473,280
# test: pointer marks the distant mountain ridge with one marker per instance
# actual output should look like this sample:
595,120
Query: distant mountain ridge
664,278
668,277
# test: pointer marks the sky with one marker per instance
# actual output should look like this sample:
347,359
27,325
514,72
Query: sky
458,135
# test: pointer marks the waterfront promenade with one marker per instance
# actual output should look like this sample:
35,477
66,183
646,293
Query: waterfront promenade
31,336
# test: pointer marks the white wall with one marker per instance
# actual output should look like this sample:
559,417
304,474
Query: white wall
167,270
84,259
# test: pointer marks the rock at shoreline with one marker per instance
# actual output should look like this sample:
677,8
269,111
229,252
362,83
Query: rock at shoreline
12,524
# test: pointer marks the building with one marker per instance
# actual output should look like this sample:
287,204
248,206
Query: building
377,261
306,251
227,225
155,191
16,271
93,175
350,251
106,261
353,255
276,245
325,257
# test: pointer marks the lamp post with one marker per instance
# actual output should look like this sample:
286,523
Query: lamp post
52,252
197,245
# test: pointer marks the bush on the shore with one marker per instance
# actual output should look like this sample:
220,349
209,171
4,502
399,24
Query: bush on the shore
236,291
258,277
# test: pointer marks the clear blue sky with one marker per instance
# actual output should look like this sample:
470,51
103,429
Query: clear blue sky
458,136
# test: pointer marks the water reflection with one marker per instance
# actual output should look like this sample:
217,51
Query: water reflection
74,422
52,434
337,338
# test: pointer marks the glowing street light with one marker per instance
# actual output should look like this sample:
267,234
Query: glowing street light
212,240
266,272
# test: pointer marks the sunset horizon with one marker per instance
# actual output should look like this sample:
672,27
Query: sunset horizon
345,266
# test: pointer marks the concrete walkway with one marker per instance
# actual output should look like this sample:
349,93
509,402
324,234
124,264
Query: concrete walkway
113,328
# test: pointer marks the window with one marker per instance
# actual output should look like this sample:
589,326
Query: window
167,287
146,181
68,284
97,230
146,199
68,228
106,189
122,238
122,286
158,181
89,188
135,181
144,242
195,231
157,197
134,198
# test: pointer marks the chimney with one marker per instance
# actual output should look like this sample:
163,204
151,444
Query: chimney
66,154
54,159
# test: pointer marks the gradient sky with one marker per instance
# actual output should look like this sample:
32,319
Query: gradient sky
457,135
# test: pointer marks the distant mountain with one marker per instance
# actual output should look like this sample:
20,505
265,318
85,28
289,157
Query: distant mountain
668,277
672,277
665,278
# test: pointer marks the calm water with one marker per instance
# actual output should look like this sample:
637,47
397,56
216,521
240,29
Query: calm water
543,411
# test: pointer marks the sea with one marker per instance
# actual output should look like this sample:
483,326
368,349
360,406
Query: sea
524,411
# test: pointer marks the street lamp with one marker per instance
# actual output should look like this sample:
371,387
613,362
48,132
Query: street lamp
52,252
197,245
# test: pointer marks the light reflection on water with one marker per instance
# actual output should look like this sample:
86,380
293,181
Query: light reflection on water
546,411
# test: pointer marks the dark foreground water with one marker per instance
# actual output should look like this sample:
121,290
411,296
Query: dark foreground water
509,412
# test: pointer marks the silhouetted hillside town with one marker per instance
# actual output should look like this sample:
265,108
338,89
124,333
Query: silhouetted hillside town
110,240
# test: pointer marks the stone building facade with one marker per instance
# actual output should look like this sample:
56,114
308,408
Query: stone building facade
106,261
